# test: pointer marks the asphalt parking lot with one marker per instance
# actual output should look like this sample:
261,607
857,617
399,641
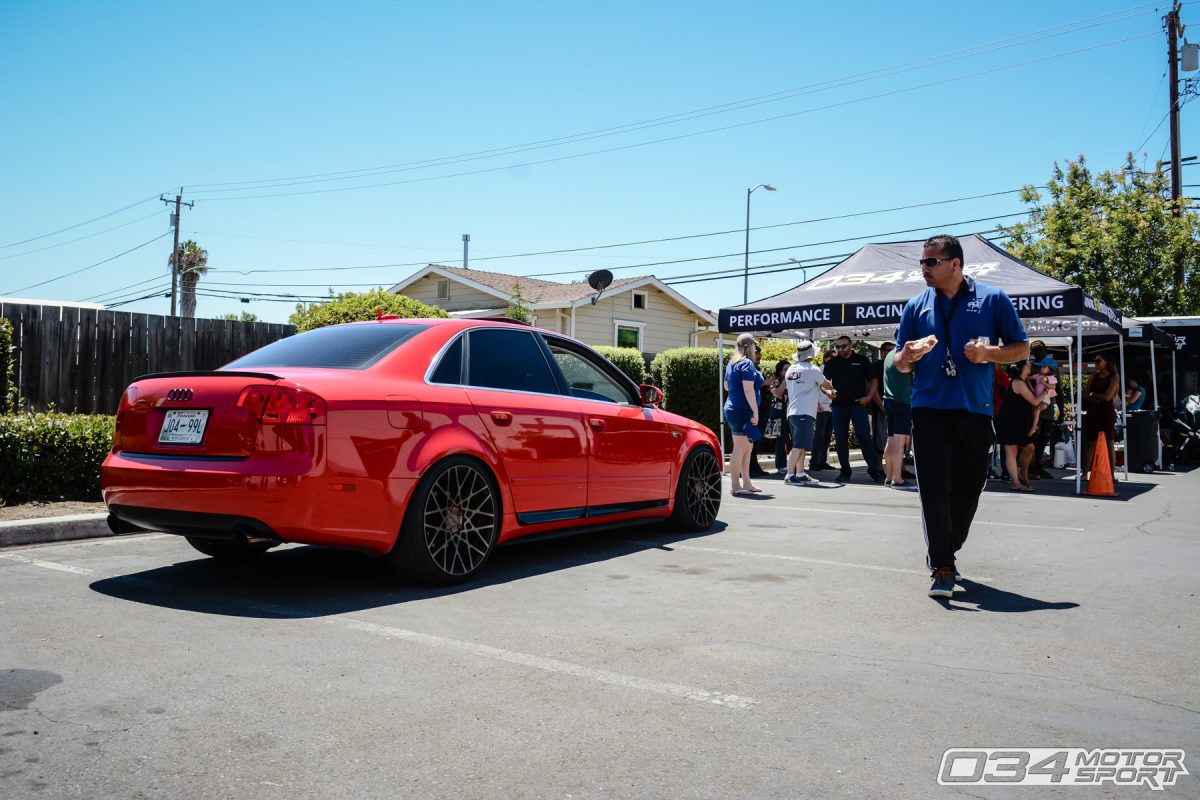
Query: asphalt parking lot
790,653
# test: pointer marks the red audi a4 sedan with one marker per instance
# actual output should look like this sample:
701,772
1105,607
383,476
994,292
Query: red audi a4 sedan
424,441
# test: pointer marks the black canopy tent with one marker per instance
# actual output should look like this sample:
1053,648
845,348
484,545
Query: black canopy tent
864,295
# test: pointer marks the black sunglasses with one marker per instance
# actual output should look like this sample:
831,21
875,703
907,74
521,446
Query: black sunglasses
932,262
841,346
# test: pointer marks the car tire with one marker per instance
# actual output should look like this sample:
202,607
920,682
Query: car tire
698,493
229,550
451,525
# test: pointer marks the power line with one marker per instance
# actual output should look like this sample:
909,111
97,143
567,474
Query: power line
81,238
765,250
79,224
734,126
1012,41
562,251
91,266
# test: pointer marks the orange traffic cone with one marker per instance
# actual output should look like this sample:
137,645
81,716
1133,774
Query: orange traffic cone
1101,482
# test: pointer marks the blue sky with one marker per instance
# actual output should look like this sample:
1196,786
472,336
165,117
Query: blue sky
108,104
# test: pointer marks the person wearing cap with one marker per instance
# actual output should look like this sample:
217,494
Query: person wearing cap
950,336
806,383
1047,420
823,434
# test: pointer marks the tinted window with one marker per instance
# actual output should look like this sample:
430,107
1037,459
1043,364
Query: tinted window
449,369
506,359
585,379
339,347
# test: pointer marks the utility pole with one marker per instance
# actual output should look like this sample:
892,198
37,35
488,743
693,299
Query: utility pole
1174,31
466,243
175,252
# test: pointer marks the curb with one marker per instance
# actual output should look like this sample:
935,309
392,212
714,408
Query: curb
14,533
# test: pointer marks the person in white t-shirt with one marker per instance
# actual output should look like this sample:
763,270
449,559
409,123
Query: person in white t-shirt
806,386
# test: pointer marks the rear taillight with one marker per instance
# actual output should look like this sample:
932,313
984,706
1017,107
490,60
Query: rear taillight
283,405
127,401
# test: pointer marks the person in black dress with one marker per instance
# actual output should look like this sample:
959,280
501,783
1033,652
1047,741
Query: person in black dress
1013,425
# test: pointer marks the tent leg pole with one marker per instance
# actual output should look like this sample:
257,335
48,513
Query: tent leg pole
1154,396
721,399
1079,408
1174,382
1124,412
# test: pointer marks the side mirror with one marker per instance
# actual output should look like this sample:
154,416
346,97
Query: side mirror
651,395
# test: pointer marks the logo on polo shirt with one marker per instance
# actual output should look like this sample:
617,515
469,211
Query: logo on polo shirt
975,305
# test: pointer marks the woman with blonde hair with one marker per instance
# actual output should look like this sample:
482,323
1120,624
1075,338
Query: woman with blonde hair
742,384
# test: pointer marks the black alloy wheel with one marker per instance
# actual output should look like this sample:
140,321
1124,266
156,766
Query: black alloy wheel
451,526
698,495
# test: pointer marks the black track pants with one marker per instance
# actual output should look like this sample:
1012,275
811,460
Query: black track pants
952,451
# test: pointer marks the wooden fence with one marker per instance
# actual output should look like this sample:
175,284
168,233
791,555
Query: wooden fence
81,359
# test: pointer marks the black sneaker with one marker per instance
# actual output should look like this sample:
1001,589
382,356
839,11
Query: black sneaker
819,467
844,475
943,583
877,475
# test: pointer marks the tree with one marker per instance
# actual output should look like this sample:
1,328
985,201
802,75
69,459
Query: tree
518,309
245,316
1114,236
193,263
355,307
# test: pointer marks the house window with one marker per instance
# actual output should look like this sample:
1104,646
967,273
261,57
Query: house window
443,289
639,301
628,334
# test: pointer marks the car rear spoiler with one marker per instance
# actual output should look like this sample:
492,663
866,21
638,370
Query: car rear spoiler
210,373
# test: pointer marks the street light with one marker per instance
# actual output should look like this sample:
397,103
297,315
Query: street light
746,264
803,269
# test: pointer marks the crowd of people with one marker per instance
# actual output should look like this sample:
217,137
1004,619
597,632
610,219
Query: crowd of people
801,409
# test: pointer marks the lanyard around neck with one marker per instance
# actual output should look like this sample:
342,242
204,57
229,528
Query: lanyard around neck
949,315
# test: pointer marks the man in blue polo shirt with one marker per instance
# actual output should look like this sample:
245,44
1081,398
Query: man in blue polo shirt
976,326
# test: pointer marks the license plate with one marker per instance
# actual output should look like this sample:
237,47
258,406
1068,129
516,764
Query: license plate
183,427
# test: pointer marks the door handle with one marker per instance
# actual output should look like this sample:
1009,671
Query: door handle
502,417
596,423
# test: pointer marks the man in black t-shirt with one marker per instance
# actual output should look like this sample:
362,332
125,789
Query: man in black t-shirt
854,381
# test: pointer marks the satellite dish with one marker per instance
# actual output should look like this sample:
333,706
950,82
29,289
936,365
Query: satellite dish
599,280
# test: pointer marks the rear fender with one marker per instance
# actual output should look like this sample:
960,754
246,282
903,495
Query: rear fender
453,440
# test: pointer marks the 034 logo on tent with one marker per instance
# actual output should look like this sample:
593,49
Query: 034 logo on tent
897,276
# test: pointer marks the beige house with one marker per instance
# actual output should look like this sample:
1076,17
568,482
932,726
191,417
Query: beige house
642,312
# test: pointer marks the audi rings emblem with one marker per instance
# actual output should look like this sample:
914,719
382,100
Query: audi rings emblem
179,394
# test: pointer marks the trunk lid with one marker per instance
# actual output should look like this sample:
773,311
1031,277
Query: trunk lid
194,414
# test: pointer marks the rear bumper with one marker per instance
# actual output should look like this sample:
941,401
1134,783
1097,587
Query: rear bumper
202,525
286,500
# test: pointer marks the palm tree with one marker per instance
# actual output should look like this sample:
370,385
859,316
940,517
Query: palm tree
193,262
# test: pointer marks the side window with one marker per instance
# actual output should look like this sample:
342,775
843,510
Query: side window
449,369
508,359
586,380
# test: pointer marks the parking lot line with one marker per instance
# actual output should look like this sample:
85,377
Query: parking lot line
486,651
822,561
977,521
551,664
37,562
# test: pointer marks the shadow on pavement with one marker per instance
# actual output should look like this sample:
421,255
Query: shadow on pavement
989,598
1065,488
305,582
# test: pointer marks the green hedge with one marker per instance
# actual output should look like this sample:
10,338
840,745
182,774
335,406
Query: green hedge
8,389
628,359
688,379
51,456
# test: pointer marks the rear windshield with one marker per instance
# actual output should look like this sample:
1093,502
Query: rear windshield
339,347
